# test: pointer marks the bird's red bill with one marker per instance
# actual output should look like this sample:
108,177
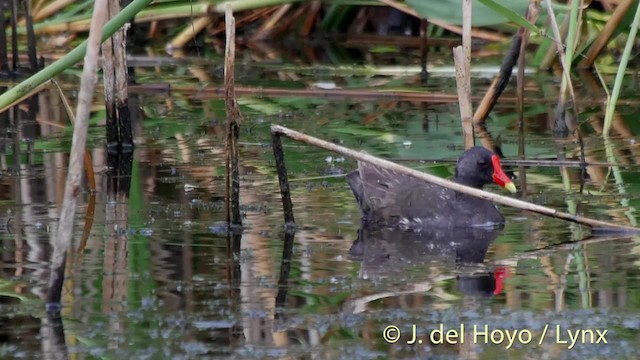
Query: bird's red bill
499,176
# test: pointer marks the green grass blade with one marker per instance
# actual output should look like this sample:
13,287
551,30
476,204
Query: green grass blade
512,16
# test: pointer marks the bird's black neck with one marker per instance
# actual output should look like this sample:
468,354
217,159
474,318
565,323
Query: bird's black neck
478,184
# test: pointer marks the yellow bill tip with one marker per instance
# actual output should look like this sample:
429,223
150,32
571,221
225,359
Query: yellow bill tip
511,187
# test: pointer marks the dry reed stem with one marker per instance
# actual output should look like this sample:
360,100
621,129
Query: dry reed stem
72,187
190,32
234,118
463,82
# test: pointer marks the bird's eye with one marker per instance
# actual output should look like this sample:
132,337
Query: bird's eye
482,163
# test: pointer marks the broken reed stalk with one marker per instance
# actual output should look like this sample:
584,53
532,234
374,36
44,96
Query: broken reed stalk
503,200
234,117
283,179
462,60
463,83
72,187
119,130
466,35
499,82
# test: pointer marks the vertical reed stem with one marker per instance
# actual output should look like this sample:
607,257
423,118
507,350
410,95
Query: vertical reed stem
283,179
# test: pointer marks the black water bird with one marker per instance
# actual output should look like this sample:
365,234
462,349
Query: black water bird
391,199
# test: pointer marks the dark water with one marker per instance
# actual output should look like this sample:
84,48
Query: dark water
158,276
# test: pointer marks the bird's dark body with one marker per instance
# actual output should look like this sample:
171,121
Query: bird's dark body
390,199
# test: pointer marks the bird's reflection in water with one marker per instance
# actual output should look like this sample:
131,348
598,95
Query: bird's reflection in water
389,253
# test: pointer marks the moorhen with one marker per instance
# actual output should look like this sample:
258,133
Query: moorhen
387,198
